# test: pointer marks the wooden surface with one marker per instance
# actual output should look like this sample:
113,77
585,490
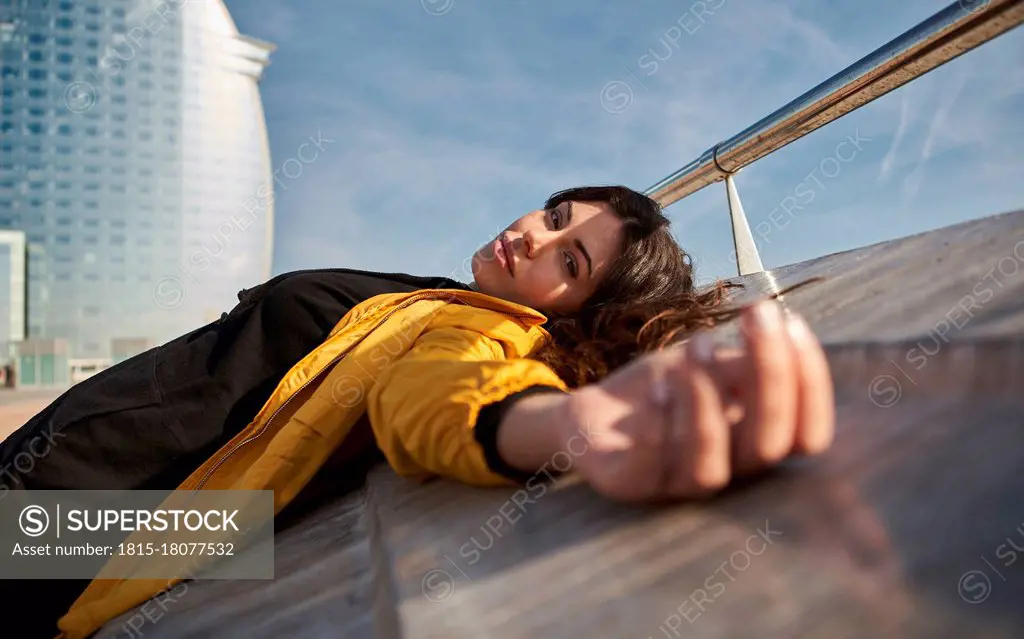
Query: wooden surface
872,540
908,527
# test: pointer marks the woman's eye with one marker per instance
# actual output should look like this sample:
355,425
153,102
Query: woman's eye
556,218
570,262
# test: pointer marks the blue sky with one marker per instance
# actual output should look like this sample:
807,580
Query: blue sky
450,118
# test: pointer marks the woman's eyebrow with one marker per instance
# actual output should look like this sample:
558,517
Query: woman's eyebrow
577,242
583,249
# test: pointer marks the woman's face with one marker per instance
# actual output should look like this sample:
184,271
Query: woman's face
550,260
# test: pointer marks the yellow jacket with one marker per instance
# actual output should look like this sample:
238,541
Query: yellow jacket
420,364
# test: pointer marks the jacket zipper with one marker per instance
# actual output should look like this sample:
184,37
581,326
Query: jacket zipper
266,425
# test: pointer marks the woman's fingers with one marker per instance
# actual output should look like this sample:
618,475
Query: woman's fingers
702,439
816,409
768,429
815,416
719,412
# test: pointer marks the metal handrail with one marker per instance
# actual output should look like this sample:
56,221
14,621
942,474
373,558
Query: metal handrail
948,34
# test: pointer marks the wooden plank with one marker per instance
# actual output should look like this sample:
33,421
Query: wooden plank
322,587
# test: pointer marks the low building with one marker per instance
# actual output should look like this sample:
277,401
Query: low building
12,293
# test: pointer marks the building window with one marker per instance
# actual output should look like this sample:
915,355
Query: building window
64,23
65,58
37,74
36,56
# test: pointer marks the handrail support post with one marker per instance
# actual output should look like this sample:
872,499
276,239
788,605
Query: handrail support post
748,260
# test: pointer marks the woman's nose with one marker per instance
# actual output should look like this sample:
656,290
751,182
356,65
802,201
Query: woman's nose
535,241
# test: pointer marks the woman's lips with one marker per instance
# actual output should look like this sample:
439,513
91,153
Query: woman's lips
503,251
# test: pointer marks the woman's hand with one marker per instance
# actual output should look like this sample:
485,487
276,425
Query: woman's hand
684,421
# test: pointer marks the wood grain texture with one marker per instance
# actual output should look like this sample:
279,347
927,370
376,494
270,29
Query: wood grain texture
912,525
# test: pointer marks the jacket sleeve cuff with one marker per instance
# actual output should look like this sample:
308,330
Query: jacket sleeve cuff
486,431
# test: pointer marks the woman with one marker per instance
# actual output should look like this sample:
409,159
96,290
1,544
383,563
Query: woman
481,383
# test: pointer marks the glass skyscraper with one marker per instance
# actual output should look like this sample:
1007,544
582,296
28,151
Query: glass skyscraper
134,156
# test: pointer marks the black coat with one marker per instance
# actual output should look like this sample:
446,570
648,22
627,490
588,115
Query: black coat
148,422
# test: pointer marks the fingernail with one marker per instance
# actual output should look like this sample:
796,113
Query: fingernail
702,348
797,327
768,315
659,391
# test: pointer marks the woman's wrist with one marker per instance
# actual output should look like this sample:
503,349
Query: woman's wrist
531,434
